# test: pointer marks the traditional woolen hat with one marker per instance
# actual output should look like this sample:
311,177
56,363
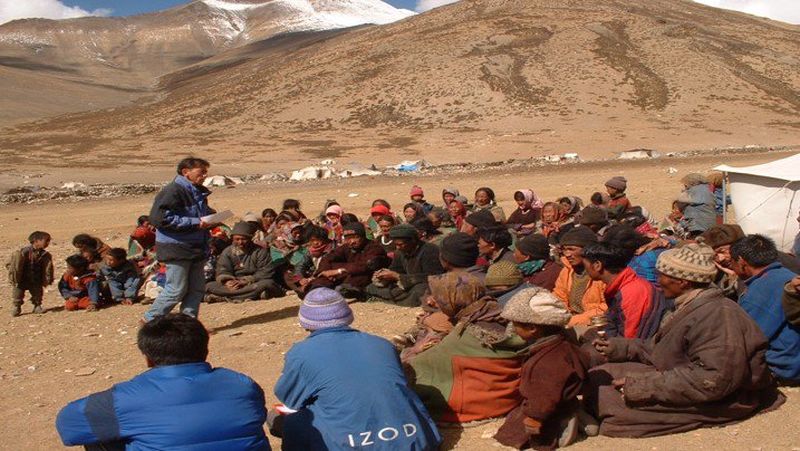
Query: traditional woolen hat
460,250
594,216
356,227
406,231
535,246
251,217
693,262
416,191
720,235
536,306
619,183
578,236
243,229
481,219
503,273
323,308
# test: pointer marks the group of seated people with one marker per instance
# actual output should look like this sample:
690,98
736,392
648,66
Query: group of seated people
566,320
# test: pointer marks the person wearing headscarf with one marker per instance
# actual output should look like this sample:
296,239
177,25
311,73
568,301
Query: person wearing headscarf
705,367
528,212
552,377
333,223
449,194
485,200
457,212
555,222
346,387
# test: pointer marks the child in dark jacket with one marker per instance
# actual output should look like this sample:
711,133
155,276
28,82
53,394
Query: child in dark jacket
31,269
79,286
552,377
121,275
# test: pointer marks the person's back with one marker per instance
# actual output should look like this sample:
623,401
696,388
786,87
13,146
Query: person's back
630,301
350,384
186,405
762,301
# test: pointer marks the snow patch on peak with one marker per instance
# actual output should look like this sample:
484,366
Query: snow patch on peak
219,4
324,14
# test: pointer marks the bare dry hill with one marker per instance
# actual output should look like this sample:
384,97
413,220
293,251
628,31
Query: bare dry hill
480,79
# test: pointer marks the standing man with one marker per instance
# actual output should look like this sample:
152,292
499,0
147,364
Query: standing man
182,238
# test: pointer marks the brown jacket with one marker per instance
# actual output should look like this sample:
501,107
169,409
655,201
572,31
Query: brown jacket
551,380
359,271
28,268
594,302
791,305
706,366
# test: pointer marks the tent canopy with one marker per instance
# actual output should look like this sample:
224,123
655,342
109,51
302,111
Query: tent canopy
787,169
766,198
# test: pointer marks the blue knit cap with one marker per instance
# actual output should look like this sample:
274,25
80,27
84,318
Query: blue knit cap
324,308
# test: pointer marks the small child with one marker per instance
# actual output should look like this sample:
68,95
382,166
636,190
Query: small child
31,269
552,377
417,196
121,275
618,202
79,286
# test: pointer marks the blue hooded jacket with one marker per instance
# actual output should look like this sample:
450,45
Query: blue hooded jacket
762,301
176,407
350,392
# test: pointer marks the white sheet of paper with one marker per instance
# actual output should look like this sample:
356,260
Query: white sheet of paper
217,218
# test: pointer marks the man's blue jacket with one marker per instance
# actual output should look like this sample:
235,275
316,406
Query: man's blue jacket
176,407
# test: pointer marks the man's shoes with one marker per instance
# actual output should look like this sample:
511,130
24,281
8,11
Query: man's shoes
212,298
16,311
37,309
569,434
588,423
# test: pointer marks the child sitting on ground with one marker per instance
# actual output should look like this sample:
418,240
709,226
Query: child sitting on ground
121,275
618,202
31,269
79,286
552,377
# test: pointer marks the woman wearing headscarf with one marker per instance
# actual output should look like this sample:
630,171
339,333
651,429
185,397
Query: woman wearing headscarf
457,211
449,194
412,211
555,222
485,200
333,223
528,212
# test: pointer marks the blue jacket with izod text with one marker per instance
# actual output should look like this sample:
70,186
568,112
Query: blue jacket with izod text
176,407
350,393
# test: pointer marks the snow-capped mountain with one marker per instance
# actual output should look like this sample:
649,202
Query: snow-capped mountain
129,53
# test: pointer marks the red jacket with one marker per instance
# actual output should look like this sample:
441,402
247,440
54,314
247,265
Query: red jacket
630,305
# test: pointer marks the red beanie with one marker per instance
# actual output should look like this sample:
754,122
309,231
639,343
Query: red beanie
416,191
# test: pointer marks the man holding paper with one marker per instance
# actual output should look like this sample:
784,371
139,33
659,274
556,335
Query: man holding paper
183,219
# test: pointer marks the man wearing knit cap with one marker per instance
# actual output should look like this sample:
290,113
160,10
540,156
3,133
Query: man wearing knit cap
501,278
755,260
346,387
706,367
618,201
595,218
480,219
459,252
349,267
244,270
406,280
532,255
582,296
552,377
635,307
418,197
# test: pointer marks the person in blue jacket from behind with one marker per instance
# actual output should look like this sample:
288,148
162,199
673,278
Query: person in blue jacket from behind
347,387
180,403
755,260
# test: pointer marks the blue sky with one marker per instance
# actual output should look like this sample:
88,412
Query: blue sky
128,7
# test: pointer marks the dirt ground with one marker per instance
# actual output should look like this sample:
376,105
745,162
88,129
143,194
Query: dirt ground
44,359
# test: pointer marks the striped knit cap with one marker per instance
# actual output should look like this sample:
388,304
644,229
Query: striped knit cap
324,308
693,262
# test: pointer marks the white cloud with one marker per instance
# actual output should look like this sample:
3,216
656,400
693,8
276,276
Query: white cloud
424,5
47,9
783,10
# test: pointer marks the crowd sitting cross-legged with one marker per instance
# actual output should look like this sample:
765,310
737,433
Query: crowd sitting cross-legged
563,321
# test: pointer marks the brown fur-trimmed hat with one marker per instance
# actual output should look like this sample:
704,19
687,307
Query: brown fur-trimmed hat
720,235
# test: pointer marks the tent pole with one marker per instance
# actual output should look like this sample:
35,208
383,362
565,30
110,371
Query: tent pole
725,198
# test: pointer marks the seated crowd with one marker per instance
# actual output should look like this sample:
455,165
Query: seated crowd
567,320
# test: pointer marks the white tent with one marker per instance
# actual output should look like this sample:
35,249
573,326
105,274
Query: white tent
766,198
